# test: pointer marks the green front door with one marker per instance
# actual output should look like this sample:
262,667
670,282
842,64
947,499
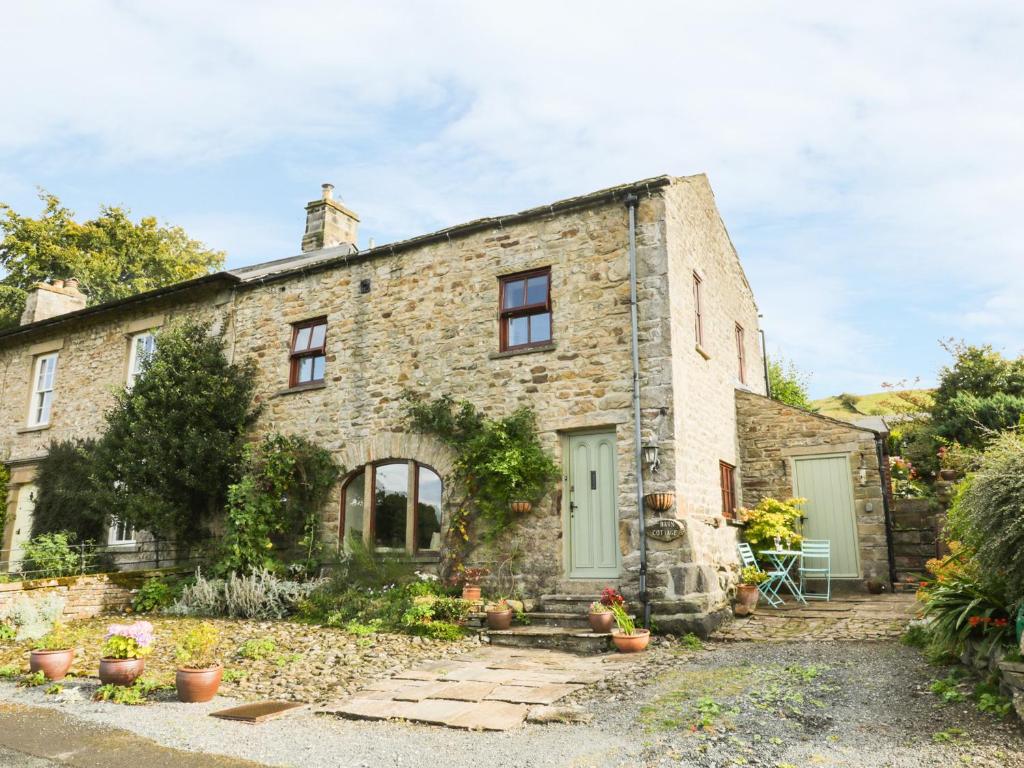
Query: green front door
593,549
829,514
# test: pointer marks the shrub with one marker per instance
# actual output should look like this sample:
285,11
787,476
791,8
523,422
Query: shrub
772,519
284,485
52,555
197,648
7,632
988,513
131,695
959,606
32,618
257,648
752,576
255,596
57,639
155,594
66,498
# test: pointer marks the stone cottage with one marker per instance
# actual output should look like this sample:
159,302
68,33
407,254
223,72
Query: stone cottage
622,318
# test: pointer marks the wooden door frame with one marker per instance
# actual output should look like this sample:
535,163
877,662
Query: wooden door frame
849,456
565,439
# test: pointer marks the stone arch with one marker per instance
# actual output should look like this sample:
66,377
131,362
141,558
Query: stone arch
397,445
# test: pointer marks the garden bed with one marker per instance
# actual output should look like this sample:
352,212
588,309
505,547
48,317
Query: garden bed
266,659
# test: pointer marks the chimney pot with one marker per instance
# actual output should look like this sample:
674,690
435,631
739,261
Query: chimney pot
328,191
58,283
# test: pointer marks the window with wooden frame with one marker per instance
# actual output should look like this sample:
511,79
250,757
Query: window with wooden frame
44,374
727,477
309,352
525,309
141,347
741,354
393,506
698,310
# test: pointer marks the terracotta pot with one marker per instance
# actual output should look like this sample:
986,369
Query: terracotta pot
471,592
53,664
874,586
631,643
949,475
601,622
499,619
198,685
660,502
121,671
521,507
747,596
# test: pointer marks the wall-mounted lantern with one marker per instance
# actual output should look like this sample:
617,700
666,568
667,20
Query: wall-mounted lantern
649,455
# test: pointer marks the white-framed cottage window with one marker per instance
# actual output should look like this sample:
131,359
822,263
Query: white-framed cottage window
120,533
44,376
140,348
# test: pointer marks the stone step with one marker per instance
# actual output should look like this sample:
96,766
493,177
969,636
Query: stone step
571,639
556,619
566,603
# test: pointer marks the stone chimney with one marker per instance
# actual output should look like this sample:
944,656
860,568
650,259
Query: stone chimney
47,300
328,223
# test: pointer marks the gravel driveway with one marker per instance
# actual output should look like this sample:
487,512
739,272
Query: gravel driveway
771,705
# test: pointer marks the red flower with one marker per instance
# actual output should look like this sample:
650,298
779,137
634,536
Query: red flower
610,596
924,583
1001,622
974,621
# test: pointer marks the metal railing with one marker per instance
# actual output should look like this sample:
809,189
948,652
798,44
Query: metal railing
81,559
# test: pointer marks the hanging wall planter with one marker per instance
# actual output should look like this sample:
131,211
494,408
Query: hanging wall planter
660,502
522,507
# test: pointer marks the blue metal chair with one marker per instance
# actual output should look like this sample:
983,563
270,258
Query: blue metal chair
819,551
770,587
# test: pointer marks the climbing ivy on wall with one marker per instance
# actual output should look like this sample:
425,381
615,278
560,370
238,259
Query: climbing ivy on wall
497,461
5,478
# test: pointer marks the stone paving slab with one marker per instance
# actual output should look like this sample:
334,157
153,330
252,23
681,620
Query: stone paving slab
492,689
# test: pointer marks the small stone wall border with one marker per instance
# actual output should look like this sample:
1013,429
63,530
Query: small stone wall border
88,595
1011,673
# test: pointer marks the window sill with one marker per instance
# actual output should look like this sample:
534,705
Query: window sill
701,352
36,428
523,351
301,388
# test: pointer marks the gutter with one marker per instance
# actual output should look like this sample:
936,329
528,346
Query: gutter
631,201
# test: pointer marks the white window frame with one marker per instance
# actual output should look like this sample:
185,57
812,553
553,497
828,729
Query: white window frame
113,537
42,391
134,363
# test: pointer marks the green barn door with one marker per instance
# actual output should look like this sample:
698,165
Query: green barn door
825,482
593,520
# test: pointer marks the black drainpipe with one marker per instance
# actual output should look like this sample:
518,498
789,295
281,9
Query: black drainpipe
883,470
764,360
631,201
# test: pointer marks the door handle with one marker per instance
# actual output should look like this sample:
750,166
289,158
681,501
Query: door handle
572,509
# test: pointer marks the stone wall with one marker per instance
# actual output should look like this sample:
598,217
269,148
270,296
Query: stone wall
915,529
771,434
84,596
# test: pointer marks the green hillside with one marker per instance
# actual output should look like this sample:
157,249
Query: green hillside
874,404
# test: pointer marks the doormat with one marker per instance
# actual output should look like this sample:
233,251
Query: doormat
256,712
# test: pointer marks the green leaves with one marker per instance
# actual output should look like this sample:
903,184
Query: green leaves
788,385
771,519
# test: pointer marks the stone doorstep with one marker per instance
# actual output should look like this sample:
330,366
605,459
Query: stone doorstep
484,715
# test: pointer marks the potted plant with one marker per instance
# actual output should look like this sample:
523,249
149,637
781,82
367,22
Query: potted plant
471,578
627,638
521,507
198,676
747,593
600,617
53,653
124,652
499,614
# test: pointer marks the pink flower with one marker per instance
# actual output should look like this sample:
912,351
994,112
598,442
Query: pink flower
140,631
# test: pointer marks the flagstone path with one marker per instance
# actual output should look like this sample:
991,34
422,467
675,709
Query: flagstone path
491,689
844,617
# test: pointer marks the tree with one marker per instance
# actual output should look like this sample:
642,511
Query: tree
65,496
173,443
788,385
112,256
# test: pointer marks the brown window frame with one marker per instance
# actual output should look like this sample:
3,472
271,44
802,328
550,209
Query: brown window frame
741,352
698,311
525,310
295,358
369,471
727,481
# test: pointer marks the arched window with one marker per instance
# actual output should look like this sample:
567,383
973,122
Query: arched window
394,506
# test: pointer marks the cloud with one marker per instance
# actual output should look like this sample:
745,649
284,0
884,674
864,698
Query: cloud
863,156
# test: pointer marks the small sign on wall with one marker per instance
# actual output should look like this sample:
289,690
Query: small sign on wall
666,529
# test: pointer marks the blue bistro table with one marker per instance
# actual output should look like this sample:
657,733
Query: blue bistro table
783,561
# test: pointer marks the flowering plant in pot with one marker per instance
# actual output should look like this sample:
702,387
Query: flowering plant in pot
124,652
471,578
199,674
747,592
627,637
600,613
53,653
499,614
